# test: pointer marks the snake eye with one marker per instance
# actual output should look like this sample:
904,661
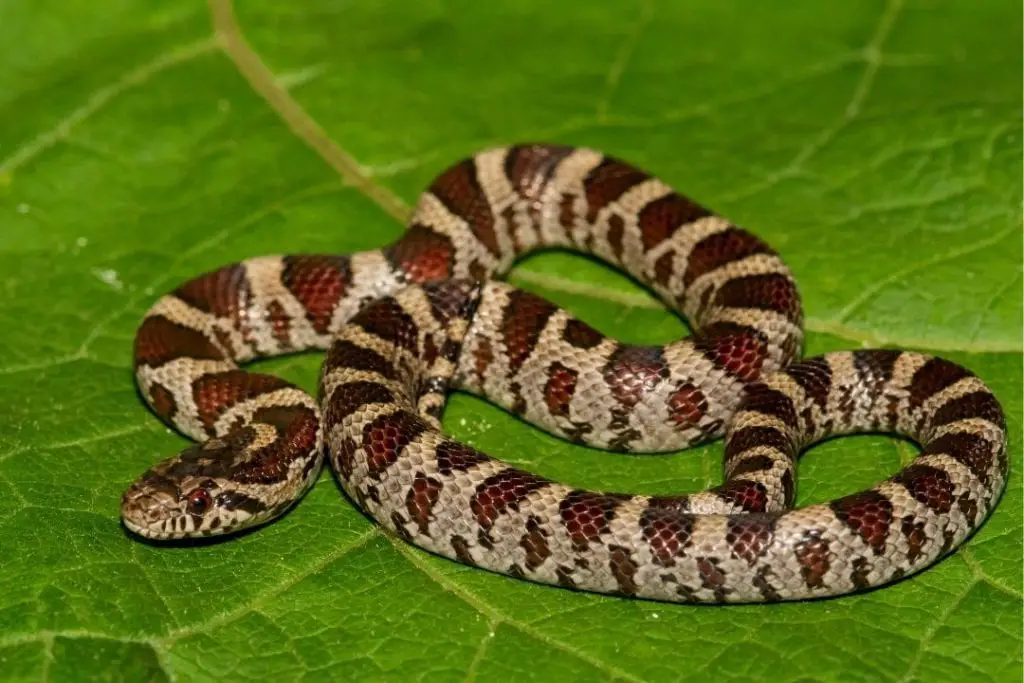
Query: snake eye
198,501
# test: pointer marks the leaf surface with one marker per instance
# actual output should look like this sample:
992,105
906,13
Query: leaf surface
876,145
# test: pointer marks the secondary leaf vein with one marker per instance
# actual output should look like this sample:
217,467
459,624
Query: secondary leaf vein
99,98
267,86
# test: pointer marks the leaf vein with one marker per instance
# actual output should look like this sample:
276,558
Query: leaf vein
868,292
481,651
853,334
85,440
99,98
622,58
252,605
929,634
871,55
491,613
269,87
980,575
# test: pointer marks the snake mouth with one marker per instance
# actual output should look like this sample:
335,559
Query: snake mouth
152,524
144,531
153,513
161,513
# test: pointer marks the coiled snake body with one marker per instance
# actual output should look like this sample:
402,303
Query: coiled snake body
405,324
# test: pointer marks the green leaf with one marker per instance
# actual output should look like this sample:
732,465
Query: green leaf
876,144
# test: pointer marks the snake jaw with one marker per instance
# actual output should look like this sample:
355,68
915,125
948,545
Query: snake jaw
151,511
186,496
153,514
158,507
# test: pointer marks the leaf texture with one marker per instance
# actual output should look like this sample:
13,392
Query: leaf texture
875,144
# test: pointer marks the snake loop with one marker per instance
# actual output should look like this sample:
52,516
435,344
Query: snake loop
405,324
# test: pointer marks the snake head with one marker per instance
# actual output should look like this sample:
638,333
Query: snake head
203,491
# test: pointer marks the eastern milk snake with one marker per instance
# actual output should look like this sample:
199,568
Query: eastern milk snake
405,324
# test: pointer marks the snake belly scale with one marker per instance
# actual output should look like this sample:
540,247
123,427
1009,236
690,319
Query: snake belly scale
405,324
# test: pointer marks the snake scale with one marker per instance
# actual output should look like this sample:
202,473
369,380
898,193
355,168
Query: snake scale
405,324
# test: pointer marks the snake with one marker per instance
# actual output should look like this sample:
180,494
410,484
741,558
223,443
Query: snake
406,324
